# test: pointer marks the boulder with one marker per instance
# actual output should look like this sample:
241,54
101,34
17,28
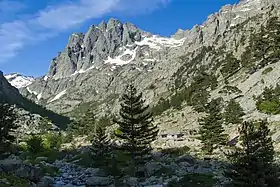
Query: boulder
21,169
152,168
95,172
46,181
131,181
186,158
10,165
29,172
99,181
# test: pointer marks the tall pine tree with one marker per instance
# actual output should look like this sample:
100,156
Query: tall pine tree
135,127
253,165
233,112
100,145
211,129
7,127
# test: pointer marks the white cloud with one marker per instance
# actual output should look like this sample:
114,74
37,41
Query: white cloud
65,16
54,19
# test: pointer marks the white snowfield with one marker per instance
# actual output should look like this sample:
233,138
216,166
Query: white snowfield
118,60
18,80
157,42
58,96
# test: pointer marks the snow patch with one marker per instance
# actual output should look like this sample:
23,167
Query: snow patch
237,17
245,10
113,68
39,96
149,60
31,92
18,80
157,42
138,69
58,96
118,61
82,71
46,78
144,63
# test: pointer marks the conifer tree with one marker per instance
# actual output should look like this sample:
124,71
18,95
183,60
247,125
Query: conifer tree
211,129
135,127
7,127
233,112
253,165
88,123
100,148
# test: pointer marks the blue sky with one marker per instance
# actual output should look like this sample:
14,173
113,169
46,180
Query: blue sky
32,32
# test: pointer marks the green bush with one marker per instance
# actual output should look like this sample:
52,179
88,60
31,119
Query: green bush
269,107
269,101
53,141
163,105
267,70
35,144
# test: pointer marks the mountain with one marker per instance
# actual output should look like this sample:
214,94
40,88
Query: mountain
224,57
19,81
29,113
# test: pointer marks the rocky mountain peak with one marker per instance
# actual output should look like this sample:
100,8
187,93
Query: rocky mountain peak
19,81
111,42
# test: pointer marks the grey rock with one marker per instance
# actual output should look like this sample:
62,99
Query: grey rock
46,181
131,181
276,137
152,168
186,158
21,169
99,181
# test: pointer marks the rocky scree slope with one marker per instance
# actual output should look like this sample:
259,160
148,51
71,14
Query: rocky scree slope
94,67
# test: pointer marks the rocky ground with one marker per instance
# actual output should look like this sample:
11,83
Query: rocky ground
69,173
